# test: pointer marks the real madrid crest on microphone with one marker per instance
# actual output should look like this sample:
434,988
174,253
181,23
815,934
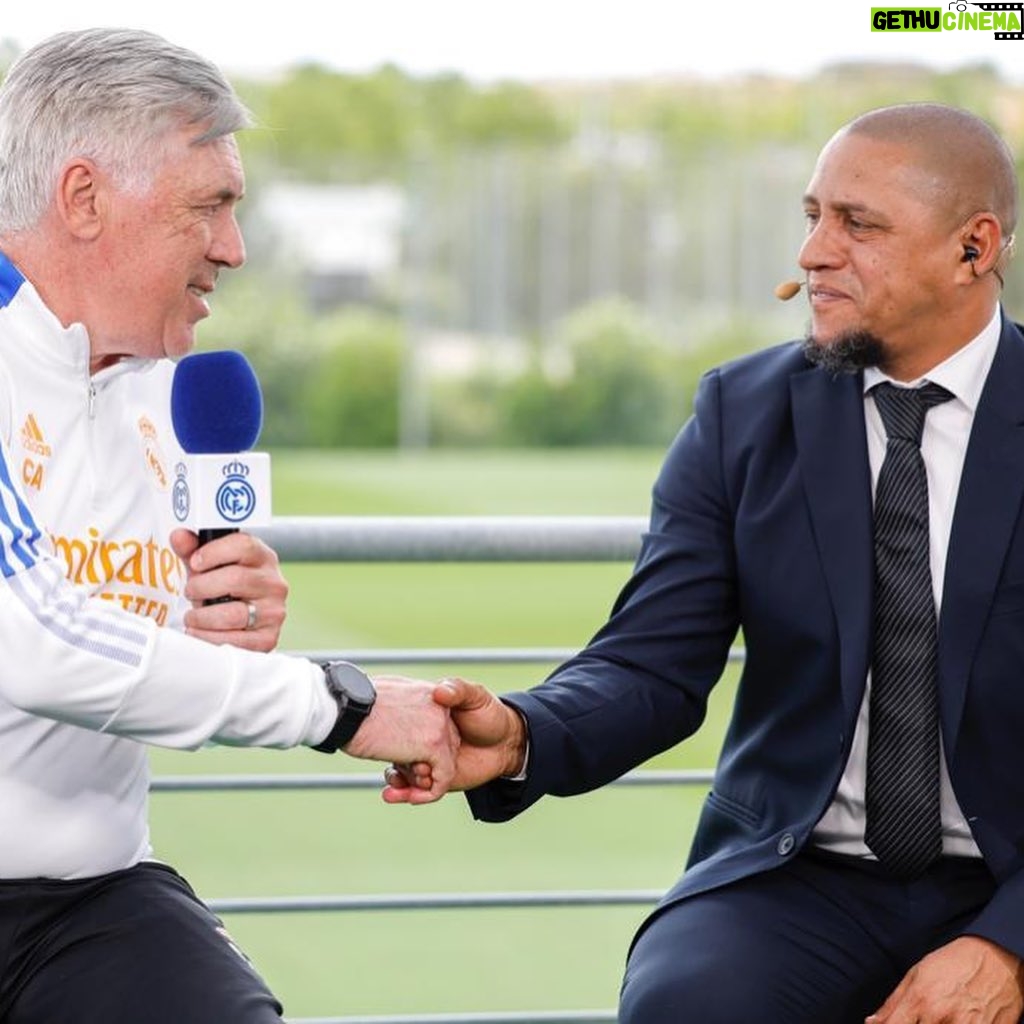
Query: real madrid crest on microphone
236,500
222,491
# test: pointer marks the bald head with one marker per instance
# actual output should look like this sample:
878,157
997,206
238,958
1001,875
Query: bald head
965,166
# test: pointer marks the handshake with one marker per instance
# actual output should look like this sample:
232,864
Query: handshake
452,735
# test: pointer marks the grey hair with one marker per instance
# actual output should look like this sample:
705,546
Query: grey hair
111,95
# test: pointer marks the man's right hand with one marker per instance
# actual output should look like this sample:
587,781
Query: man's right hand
406,723
492,741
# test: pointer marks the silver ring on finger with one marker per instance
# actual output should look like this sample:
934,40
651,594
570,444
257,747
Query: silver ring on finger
250,622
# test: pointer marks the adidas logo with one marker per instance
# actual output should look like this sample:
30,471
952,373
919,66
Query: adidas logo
32,438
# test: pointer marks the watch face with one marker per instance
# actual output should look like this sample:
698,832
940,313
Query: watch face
355,683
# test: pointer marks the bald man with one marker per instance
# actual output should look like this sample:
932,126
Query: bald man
852,503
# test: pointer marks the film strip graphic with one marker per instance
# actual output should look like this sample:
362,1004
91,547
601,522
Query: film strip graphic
1018,7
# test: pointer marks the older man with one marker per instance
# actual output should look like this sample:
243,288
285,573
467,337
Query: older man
119,178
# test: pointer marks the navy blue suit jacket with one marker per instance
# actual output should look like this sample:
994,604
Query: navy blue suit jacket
762,520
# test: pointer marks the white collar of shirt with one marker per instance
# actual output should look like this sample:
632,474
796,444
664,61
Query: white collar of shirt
963,374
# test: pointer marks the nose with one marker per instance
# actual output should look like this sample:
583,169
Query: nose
820,248
227,247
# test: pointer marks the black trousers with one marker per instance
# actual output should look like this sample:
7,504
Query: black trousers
132,947
821,940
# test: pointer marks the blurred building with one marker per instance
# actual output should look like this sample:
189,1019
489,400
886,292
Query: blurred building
343,242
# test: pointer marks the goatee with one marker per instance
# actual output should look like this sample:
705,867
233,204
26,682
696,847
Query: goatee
848,353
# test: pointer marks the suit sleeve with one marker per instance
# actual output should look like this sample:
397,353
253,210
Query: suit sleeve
641,685
1001,920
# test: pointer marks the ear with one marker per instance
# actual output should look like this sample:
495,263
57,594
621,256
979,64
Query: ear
78,198
980,239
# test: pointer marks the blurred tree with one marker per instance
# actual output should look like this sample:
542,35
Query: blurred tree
265,318
353,396
511,112
316,118
620,385
319,122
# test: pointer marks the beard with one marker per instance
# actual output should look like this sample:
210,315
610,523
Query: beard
849,352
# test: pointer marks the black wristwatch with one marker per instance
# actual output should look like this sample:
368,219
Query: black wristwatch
354,693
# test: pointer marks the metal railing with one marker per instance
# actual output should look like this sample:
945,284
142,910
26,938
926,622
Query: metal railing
441,539
409,901
455,538
526,1017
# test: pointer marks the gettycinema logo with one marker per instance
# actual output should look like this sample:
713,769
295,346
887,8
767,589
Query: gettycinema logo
1003,20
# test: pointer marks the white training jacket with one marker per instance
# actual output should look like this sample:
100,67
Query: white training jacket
87,578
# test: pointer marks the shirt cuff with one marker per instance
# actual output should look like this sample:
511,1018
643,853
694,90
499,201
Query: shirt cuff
520,776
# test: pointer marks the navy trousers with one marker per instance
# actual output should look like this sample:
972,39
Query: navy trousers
126,948
823,939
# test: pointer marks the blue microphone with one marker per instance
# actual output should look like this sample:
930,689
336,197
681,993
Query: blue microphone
217,413
216,403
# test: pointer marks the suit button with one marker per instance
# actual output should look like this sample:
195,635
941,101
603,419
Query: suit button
786,844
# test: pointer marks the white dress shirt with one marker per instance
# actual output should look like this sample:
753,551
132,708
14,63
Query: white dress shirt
947,429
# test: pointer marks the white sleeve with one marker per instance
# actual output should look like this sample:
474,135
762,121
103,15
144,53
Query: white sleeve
78,659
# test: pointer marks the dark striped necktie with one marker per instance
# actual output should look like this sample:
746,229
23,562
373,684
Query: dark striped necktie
904,829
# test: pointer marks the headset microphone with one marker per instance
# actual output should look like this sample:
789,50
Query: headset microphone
785,291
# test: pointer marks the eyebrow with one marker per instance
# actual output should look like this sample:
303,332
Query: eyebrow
848,208
225,195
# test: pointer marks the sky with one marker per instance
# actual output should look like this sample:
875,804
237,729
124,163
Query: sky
526,39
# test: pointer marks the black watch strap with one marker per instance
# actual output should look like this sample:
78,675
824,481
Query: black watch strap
354,694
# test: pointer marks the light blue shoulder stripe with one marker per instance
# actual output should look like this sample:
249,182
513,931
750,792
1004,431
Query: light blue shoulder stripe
11,280
14,514
24,533
65,611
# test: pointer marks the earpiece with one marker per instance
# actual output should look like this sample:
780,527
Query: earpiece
970,254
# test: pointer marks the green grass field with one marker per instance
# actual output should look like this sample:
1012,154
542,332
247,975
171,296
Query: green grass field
319,843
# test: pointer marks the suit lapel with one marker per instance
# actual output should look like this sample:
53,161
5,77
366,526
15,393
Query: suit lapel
987,510
828,421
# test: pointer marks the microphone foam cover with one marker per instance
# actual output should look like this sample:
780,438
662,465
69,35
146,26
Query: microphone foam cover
216,403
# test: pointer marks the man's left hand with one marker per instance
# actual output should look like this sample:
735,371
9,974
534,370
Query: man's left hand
968,980
243,567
